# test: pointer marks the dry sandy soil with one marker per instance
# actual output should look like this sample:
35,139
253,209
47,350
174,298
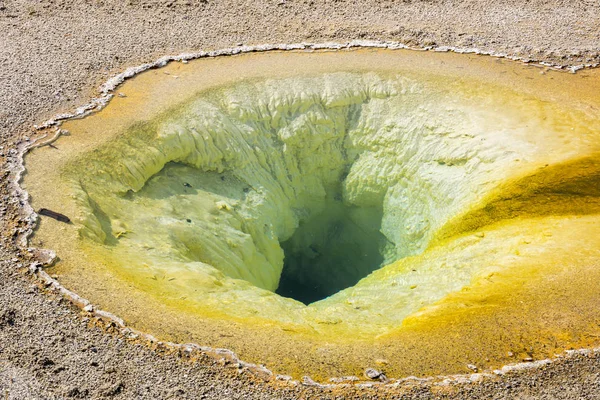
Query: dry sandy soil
54,54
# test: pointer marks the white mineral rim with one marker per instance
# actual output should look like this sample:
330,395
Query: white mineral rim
46,257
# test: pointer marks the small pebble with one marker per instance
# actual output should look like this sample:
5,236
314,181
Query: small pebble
372,373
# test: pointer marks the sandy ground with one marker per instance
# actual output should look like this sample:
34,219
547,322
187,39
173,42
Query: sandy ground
54,54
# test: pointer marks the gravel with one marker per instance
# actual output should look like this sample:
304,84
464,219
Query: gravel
55,54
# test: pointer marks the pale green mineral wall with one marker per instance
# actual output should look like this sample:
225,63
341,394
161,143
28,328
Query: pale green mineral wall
203,195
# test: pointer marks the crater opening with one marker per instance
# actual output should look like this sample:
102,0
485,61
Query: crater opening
345,209
333,246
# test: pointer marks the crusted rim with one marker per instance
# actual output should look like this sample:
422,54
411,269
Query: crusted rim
45,257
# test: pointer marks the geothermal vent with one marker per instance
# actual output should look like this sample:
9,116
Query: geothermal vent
315,212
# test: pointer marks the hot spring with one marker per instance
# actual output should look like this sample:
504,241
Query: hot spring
325,212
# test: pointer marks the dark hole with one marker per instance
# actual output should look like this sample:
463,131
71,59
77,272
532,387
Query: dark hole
331,251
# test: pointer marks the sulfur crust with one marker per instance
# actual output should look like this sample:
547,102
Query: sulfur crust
420,154
473,185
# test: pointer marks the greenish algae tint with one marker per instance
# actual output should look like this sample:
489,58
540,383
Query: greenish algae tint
316,212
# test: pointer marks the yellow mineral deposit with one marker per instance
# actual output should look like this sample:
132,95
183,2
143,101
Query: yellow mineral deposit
319,212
